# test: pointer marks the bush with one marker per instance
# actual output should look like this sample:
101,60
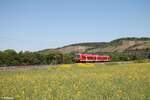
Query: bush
140,61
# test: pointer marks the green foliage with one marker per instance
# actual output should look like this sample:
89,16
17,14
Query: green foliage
90,44
132,38
54,58
68,58
12,58
149,55
140,61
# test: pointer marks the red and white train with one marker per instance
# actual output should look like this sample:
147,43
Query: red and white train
92,58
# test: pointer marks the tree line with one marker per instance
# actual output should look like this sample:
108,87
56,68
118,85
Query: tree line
12,58
128,56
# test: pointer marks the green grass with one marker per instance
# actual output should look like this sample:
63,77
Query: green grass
78,82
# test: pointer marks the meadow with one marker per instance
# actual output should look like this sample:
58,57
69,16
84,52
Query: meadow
78,82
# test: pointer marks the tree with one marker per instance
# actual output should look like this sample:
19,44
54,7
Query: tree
54,58
10,57
68,58
149,55
1,58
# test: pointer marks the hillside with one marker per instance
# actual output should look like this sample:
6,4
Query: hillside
118,45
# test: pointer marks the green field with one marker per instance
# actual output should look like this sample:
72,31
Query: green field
78,82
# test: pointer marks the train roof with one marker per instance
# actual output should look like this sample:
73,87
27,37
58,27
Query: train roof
92,55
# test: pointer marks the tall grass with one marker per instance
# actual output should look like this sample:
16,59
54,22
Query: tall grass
78,82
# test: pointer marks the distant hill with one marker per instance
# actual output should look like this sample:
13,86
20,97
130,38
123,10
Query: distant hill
118,45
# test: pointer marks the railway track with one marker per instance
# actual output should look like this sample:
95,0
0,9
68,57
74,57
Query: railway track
28,67
13,68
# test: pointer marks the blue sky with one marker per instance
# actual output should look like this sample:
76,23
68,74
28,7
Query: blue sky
39,24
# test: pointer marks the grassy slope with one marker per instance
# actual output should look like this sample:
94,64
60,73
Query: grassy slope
79,82
93,47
